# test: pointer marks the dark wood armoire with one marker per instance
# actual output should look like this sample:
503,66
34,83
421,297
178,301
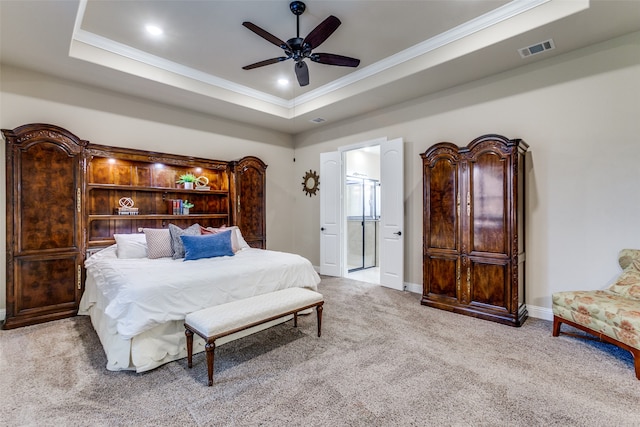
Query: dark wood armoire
249,198
473,228
45,245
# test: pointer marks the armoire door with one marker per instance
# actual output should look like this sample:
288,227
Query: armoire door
44,224
442,243
489,233
248,196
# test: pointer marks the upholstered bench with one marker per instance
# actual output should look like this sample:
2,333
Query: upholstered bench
226,319
612,315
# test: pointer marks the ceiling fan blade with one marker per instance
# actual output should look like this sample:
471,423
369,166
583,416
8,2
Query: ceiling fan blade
265,35
302,73
265,62
331,59
319,34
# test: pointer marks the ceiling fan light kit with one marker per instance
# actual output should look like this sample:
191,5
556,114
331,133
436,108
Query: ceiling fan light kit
299,49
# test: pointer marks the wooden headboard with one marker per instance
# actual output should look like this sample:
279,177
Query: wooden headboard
235,193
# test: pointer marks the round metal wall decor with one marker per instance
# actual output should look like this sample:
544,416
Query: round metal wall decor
310,183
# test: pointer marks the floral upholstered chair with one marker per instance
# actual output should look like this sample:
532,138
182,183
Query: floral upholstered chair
613,314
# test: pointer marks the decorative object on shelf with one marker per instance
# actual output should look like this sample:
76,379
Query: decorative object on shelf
188,179
126,207
202,183
186,205
310,183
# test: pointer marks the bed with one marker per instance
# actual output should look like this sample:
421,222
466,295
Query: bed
137,305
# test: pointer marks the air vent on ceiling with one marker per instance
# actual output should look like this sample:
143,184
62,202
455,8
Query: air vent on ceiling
317,120
536,48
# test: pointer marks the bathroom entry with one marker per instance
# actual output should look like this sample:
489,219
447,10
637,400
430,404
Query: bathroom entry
362,209
363,217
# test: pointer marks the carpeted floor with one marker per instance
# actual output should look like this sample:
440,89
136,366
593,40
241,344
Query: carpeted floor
382,360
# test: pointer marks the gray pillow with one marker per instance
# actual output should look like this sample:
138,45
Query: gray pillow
176,241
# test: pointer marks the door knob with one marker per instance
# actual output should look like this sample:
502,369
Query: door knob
321,228
399,233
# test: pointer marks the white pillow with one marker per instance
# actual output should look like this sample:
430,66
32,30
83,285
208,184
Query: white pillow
237,241
243,243
131,245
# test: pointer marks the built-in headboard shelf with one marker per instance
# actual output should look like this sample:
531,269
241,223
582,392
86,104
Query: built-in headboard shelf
148,179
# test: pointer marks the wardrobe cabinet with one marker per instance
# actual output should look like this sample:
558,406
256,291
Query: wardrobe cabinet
473,229
45,249
249,200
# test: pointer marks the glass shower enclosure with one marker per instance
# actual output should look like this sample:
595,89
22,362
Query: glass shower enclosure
363,216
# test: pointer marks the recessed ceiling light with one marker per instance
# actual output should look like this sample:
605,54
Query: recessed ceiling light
283,82
154,30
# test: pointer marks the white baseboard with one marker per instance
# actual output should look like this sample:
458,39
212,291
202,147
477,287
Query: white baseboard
543,313
413,287
537,312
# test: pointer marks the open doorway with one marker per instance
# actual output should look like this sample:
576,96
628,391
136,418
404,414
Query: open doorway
362,213
333,218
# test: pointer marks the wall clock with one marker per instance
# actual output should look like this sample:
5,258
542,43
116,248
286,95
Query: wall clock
310,183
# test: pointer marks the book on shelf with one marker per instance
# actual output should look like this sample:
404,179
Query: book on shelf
175,206
126,211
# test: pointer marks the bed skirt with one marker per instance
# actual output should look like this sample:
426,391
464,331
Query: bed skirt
162,344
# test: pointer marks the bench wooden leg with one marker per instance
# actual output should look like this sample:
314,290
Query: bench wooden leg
210,347
319,312
189,335
295,320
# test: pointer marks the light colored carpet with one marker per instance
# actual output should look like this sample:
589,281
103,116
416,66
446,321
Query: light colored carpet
382,360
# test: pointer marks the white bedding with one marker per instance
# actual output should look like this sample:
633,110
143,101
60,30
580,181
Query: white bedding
133,298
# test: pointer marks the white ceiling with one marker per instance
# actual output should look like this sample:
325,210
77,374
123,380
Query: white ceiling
407,49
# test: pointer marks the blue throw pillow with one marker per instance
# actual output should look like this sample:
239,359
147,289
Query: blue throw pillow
207,246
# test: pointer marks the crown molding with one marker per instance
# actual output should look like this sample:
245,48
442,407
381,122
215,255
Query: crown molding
97,48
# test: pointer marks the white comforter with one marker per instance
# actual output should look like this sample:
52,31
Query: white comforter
143,293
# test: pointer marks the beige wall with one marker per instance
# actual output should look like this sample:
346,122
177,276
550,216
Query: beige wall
579,112
112,119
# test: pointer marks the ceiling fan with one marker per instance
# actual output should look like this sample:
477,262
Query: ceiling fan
299,49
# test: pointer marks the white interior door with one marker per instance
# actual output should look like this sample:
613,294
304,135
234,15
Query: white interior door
331,214
392,214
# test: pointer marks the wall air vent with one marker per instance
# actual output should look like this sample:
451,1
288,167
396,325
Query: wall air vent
318,120
536,48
